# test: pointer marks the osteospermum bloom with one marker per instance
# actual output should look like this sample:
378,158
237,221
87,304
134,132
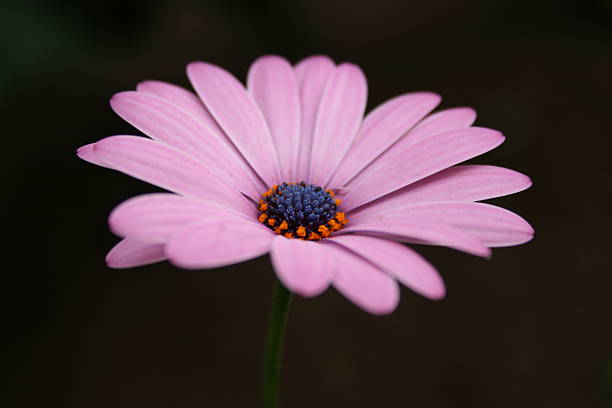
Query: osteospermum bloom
288,165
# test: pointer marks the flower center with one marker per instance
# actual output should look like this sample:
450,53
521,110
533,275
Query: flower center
300,210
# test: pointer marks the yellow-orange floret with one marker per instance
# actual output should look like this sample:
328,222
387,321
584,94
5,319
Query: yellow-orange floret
263,207
288,234
262,217
283,226
338,201
301,231
341,217
324,231
334,225
271,221
314,236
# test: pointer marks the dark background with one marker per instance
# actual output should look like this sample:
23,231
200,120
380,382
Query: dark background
528,328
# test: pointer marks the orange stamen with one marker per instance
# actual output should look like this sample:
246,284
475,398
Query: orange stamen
338,201
330,192
314,236
262,217
301,231
324,231
288,234
334,225
263,207
271,221
283,226
341,217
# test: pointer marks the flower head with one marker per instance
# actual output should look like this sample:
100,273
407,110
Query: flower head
288,165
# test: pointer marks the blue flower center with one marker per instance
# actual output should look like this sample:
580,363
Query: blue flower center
300,210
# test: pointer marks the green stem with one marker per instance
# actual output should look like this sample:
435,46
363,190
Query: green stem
281,299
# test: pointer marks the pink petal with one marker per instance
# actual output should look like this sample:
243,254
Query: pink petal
168,168
239,116
400,168
339,117
459,183
381,128
494,226
153,218
273,85
418,230
304,267
363,283
87,153
440,122
165,121
216,243
312,74
129,253
399,261
187,100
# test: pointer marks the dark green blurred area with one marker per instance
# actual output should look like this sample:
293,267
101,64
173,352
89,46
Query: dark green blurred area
528,328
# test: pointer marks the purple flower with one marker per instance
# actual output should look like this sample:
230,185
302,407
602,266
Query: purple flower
288,165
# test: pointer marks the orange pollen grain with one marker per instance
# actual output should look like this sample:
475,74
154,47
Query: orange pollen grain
324,231
288,234
271,221
301,231
313,236
334,225
341,217
263,207
338,201
283,225
262,217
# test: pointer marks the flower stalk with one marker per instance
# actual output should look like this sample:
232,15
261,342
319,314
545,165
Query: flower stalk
281,300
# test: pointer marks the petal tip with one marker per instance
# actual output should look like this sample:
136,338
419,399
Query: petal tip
437,295
115,262
382,311
84,152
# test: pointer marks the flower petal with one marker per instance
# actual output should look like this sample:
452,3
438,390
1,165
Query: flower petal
339,117
312,74
216,243
238,115
154,218
459,183
363,283
381,128
418,230
165,121
399,261
87,153
399,168
494,226
168,168
440,122
304,267
129,253
187,100
273,85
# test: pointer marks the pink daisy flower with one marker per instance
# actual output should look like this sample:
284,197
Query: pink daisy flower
288,165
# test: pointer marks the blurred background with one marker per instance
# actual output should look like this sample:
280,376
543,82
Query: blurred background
528,328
